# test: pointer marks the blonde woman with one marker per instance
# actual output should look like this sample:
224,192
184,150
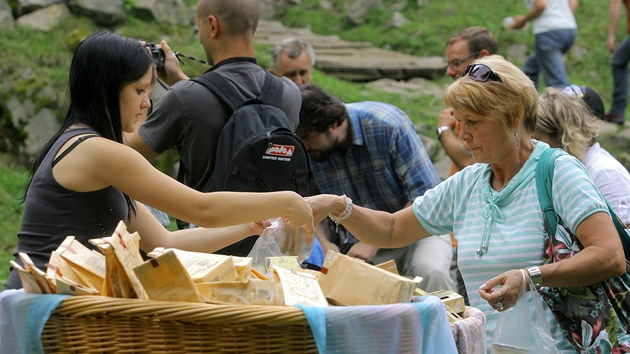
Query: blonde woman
565,121
492,208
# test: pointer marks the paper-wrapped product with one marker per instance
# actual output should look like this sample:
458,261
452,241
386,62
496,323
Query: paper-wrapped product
348,281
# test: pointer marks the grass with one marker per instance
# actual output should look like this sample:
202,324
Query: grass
12,182
33,60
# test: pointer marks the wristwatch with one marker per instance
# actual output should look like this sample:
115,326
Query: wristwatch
535,275
440,130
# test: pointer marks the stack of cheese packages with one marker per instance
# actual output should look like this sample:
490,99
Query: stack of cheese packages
119,270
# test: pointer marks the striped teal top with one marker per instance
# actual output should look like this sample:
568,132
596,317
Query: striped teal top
509,222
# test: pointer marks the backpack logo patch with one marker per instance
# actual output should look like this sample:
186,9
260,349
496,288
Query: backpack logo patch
279,152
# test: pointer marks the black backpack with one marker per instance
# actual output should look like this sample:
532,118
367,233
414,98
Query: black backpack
257,150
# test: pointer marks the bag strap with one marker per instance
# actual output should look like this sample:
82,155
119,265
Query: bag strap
544,182
222,88
271,91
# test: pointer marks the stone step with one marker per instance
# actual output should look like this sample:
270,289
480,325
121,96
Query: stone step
354,61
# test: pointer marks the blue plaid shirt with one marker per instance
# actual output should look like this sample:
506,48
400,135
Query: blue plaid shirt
387,165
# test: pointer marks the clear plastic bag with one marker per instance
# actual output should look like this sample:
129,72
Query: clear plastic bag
524,328
281,240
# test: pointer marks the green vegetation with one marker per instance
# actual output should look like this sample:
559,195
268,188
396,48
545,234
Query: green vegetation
32,60
12,182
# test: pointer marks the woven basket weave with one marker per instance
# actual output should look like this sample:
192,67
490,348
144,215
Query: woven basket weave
96,324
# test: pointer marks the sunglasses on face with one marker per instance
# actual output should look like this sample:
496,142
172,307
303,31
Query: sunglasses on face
481,72
457,62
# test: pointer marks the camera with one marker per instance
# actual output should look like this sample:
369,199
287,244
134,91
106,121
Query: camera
158,55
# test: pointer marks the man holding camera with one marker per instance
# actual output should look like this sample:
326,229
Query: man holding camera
190,117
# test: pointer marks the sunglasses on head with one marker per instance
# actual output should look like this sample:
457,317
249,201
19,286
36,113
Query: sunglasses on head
481,72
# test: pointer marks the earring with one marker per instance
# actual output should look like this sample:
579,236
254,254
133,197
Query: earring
516,141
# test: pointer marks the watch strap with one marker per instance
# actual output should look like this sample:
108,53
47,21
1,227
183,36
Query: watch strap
535,275
441,130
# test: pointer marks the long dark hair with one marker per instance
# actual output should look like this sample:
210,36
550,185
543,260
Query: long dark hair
102,65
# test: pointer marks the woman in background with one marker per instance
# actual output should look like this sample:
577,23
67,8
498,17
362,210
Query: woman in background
565,121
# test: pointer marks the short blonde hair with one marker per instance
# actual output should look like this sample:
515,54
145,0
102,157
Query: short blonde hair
567,120
507,102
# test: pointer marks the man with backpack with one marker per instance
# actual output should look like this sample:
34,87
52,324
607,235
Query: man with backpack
191,118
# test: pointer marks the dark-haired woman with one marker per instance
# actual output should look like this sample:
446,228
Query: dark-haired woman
85,180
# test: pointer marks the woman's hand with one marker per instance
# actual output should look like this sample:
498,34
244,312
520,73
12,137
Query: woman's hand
259,226
509,287
324,204
302,215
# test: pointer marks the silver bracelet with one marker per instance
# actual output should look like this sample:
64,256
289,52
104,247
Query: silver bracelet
344,214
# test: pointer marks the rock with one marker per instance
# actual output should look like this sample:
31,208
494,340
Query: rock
103,13
45,18
173,12
26,6
39,130
358,9
19,111
6,17
397,20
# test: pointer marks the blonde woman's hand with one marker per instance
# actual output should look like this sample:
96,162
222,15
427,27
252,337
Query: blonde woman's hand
324,204
501,292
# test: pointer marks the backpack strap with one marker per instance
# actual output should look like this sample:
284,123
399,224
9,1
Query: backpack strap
544,182
271,93
222,88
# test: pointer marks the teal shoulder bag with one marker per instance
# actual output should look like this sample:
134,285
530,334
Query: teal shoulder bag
594,318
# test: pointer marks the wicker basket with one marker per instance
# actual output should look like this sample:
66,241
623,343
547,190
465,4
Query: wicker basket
95,324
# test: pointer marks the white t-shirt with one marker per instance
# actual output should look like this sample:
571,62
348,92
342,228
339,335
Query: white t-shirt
557,15
612,179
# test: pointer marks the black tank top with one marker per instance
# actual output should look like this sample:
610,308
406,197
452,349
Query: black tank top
52,212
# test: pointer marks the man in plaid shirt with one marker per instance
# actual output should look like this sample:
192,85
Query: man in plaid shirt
370,152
